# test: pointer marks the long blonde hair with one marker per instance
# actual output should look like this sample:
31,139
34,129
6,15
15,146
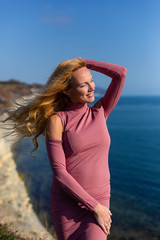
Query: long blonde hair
29,119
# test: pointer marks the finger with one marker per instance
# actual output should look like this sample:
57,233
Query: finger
107,225
110,212
104,229
110,220
107,230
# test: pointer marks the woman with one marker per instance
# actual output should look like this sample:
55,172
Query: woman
77,142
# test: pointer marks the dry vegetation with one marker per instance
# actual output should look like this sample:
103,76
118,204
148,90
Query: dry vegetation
12,89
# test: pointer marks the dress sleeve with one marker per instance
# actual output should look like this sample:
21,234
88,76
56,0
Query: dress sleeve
118,75
64,179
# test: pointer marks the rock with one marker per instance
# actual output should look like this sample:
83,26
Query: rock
15,206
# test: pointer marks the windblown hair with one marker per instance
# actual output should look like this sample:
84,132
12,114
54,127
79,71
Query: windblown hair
30,118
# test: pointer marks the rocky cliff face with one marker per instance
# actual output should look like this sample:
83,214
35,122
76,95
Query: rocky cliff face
15,206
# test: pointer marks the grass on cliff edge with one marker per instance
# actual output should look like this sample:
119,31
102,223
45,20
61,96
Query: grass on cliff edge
5,234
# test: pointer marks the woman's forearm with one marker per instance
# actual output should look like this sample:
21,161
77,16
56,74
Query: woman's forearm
113,92
112,70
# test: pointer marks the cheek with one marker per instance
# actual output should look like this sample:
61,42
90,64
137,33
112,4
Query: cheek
79,92
82,91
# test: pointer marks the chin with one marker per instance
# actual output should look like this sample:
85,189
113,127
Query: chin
89,100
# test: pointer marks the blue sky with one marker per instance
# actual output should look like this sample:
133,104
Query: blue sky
35,36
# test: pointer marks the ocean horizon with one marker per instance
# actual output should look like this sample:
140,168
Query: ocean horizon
134,163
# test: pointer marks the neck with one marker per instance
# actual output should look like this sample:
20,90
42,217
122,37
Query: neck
76,106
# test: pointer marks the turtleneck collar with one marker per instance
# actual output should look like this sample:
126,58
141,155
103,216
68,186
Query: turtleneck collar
78,107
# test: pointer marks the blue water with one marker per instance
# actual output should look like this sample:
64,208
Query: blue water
134,162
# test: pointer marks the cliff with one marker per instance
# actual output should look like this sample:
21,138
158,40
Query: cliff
15,206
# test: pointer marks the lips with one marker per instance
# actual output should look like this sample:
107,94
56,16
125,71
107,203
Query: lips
91,94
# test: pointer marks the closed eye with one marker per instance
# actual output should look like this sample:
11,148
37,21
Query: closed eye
84,85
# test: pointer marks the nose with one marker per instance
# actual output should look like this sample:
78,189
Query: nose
91,87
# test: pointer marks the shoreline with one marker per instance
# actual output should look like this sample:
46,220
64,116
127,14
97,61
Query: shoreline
15,206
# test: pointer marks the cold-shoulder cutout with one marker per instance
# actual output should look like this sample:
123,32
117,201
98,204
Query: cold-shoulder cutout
54,128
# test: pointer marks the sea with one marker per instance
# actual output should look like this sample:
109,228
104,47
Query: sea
134,163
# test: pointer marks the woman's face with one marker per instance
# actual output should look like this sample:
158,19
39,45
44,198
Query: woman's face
83,86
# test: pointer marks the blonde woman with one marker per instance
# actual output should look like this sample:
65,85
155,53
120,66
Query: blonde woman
77,142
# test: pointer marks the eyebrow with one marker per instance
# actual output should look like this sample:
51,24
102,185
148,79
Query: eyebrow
84,82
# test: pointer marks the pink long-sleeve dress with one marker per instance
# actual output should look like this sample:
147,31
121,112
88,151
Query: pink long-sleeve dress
81,176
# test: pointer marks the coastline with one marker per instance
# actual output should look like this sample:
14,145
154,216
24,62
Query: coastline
15,206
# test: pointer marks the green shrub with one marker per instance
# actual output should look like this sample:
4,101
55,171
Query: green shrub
21,175
5,234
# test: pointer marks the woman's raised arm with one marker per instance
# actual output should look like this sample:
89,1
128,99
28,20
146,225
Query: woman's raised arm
113,92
